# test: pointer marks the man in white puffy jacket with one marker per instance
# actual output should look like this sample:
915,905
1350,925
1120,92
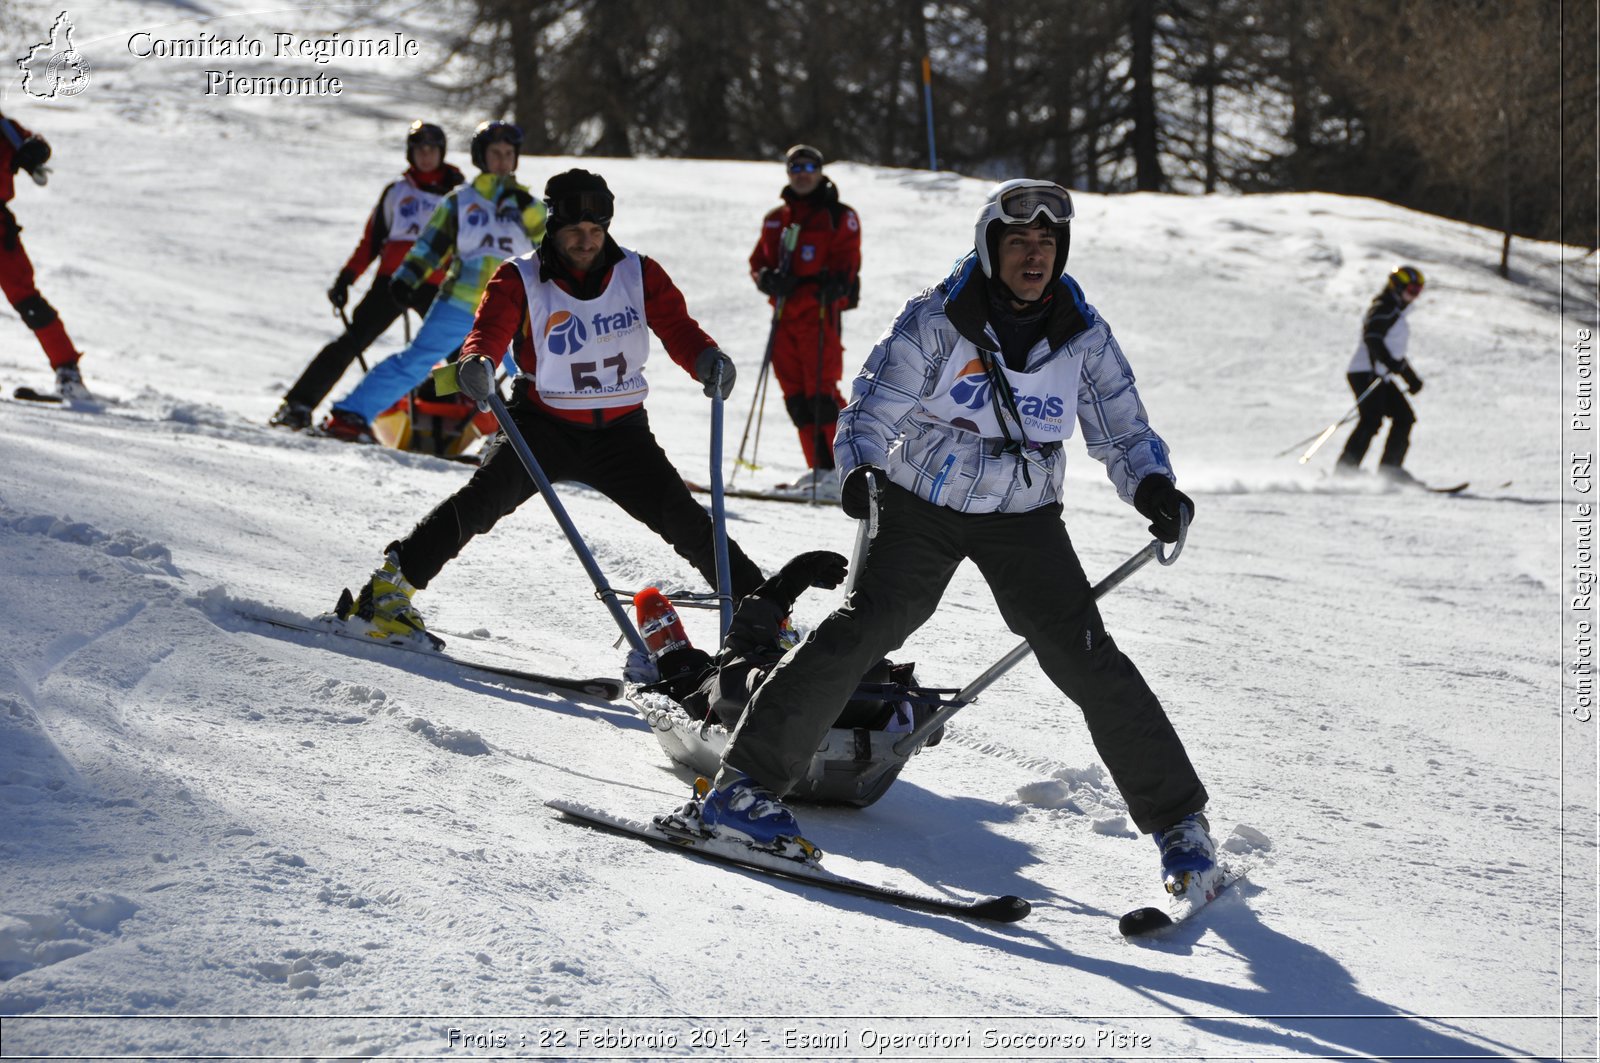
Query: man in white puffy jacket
960,412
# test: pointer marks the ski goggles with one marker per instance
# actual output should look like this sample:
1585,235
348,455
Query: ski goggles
804,166
595,207
1023,204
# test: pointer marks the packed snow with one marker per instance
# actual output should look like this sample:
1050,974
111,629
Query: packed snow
221,838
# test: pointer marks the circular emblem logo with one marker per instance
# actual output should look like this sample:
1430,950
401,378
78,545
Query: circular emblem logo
564,333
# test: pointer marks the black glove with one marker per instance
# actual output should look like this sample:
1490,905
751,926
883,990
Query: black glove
1409,375
774,283
832,288
339,294
705,370
475,378
1160,502
404,295
31,154
853,496
819,568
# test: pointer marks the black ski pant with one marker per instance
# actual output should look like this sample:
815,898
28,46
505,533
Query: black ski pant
1044,596
372,316
622,461
1386,400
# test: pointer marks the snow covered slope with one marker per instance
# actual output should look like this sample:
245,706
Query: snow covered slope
349,854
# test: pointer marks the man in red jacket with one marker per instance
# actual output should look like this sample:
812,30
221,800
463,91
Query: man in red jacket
22,150
574,313
820,281
402,209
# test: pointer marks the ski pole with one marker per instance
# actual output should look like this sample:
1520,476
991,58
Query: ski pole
475,377
1151,550
719,514
866,531
360,359
1321,437
758,395
816,409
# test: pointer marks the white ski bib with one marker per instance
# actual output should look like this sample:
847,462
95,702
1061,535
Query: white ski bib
407,209
1047,397
484,231
591,352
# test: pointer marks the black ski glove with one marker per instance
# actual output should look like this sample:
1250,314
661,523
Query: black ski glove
339,294
31,154
854,498
403,294
818,568
705,370
1159,501
832,288
1409,375
774,283
475,378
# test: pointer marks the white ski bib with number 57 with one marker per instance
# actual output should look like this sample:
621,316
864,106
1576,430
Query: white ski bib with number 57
591,352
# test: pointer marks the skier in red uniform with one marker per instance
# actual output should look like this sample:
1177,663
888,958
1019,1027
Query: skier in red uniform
402,210
821,282
20,149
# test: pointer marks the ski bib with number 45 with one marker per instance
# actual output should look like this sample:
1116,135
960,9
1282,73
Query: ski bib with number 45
591,352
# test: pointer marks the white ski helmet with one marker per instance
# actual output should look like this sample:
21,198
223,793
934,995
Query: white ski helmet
1021,202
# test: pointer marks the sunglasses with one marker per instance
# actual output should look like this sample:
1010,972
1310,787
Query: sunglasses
804,167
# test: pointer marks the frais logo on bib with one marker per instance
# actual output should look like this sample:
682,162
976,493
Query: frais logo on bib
564,333
475,216
972,388
622,321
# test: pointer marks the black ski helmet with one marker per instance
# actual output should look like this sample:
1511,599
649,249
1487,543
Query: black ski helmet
424,133
493,132
577,195
1022,202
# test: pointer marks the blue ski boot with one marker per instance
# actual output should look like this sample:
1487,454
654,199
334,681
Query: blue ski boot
1188,856
745,811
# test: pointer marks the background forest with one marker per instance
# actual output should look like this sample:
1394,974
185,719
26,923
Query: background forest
1479,110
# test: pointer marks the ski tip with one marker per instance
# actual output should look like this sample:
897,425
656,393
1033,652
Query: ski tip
1143,921
1007,909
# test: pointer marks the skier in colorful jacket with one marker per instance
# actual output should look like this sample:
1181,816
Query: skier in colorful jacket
1380,355
960,413
474,229
820,283
403,207
21,149
575,314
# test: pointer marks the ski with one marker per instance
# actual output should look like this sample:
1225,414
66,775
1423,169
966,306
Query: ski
801,497
1454,489
328,624
27,394
1151,922
1007,909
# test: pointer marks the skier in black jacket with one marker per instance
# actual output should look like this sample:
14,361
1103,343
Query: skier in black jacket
1382,352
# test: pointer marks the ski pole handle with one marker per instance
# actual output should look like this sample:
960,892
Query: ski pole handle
866,531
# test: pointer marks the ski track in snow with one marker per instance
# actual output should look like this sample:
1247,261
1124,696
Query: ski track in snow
199,815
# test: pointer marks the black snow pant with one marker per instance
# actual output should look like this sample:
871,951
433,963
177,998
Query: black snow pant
1388,401
1044,596
622,461
371,318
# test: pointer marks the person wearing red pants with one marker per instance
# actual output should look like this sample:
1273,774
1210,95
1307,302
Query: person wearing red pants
21,149
820,282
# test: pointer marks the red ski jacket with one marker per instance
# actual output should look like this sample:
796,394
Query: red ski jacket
830,243
502,321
